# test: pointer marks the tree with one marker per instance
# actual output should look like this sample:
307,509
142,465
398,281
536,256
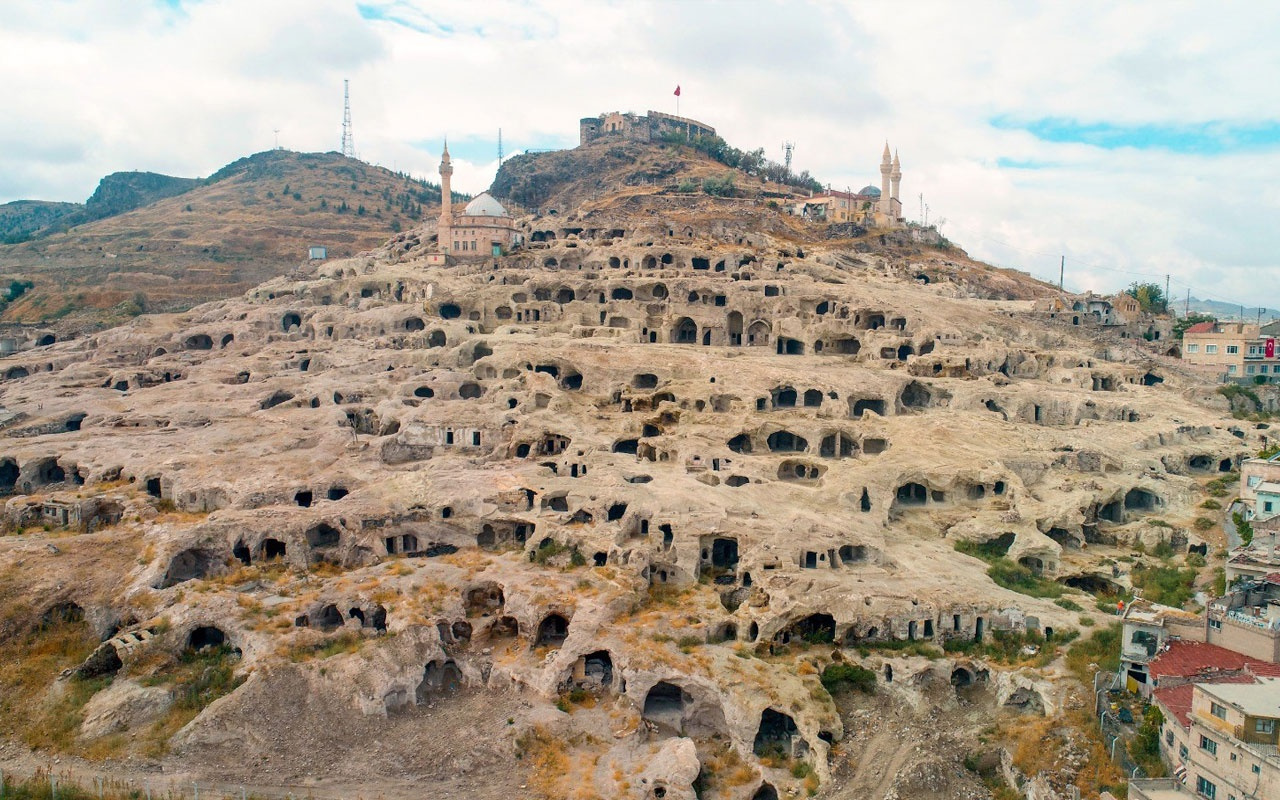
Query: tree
1149,296
1194,318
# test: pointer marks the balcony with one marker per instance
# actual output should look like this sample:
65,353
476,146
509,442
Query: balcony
1244,617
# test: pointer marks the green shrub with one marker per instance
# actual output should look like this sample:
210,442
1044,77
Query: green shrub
1243,527
990,551
1101,648
1221,487
719,187
1211,504
1202,523
1017,578
1068,604
1166,585
841,675
687,643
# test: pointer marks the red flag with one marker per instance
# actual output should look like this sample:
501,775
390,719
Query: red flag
677,90
1271,348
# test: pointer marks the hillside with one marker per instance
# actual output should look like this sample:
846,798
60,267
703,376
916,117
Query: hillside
687,498
22,219
168,243
569,178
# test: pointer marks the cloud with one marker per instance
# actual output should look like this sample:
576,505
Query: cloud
1136,139
1208,138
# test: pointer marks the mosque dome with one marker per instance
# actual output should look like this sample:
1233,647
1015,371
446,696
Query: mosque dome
484,205
869,190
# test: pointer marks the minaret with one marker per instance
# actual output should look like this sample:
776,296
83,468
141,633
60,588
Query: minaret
896,178
443,238
886,168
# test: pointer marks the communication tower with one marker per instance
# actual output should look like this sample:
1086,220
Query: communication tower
348,141
787,149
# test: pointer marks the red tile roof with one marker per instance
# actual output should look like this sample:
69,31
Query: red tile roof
1265,670
1193,660
1177,701
1201,327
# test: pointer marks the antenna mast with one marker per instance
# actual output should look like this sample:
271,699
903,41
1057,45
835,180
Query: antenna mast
499,146
348,141
787,149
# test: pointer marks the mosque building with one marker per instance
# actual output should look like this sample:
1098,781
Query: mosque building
482,228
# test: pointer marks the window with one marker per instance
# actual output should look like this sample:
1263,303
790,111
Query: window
1254,480
1182,751
1266,505
1211,348
1263,369
1218,710
1208,745
1205,788
1168,738
1256,769
1216,624
1264,725
1251,369
1233,349
1193,348
1231,369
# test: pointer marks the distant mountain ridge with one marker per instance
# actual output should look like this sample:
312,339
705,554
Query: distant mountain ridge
150,242
22,219
1224,311
117,193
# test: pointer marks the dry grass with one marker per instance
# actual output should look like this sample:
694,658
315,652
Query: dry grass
1037,741
33,660
343,642
555,775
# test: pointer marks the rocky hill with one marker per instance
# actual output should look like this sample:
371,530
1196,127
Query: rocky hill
151,242
23,219
687,498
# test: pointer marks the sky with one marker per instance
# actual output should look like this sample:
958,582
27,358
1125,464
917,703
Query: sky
1137,139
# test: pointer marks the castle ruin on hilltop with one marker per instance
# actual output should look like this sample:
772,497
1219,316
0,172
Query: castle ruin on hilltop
640,128
879,207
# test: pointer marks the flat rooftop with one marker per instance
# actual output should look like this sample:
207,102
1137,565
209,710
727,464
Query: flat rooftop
1261,699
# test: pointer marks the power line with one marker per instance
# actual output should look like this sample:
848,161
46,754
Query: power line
1201,295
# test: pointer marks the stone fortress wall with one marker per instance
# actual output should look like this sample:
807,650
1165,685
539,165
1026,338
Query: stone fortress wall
640,128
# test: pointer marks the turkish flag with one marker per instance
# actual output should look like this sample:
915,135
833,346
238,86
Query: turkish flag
1271,348
677,90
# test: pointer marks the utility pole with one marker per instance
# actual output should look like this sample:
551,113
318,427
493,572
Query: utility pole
348,141
1062,272
1166,292
922,206
1186,310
